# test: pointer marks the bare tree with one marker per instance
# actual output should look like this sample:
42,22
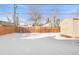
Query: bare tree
9,20
35,14
54,14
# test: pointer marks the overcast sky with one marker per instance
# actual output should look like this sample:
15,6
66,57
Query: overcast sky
64,10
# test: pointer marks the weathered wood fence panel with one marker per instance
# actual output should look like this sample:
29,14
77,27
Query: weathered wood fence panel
12,29
7,29
38,29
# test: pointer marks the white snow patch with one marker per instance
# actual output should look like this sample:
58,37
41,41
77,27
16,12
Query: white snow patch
35,36
39,35
59,37
43,35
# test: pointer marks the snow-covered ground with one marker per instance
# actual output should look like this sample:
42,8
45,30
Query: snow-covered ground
59,37
39,35
21,43
42,35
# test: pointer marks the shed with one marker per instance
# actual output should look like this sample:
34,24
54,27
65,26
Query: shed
70,27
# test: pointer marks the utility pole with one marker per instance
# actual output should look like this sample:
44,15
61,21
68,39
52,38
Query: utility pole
14,17
14,14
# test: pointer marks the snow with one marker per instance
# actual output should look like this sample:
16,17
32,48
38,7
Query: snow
16,44
42,35
39,35
59,37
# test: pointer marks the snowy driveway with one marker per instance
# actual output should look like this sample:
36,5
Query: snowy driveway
17,44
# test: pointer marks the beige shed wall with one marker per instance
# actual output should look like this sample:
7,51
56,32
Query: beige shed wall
67,27
76,28
70,27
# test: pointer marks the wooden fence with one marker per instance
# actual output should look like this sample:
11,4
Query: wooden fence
12,29
38,29
7,29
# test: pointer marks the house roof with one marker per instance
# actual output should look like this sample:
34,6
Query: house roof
5,23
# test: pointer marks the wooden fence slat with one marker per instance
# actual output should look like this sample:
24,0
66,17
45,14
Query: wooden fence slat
6,30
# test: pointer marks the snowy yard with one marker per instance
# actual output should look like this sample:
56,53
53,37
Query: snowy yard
36,43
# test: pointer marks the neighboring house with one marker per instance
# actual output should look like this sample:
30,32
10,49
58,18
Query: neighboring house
70,27
52,23
48,23
4,23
